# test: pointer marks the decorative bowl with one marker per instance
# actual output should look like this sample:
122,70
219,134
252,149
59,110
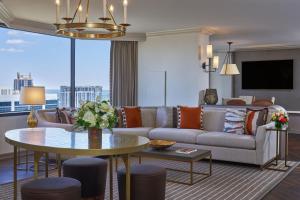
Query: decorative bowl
161,144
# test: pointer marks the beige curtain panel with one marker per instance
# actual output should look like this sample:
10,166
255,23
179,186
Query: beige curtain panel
123,73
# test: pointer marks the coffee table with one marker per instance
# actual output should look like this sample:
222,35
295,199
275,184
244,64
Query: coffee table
171,154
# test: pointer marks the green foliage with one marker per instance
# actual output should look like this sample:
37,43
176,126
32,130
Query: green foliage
96,115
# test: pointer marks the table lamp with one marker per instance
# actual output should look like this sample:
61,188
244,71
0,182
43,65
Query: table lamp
32,96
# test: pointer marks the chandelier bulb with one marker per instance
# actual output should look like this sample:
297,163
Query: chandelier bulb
111,8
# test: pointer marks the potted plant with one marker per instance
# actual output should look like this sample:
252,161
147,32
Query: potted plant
280,118
95,116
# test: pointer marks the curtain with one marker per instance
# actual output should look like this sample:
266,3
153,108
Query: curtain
123,73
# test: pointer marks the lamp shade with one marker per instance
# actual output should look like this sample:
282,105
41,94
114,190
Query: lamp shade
209,51
229,69
32,96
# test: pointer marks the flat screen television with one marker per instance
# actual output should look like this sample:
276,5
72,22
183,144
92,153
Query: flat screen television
271,74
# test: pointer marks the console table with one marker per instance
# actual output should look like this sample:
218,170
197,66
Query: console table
278,132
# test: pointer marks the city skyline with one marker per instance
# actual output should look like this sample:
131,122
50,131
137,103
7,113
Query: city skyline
51,55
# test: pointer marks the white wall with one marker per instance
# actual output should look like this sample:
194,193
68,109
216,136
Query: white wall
178,55
8,123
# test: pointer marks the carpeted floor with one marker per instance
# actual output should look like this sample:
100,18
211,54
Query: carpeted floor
228,182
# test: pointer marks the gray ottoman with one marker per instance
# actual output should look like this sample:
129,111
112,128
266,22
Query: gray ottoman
148,182
51,188
91,172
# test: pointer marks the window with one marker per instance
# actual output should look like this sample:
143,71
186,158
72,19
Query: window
32,59
92,70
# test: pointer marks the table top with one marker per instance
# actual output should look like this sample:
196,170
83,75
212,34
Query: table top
170,153
56,140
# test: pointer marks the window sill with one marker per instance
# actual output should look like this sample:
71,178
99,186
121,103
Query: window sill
10,114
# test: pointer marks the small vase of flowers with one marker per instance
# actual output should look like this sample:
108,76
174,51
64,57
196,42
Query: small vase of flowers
280,118
95,116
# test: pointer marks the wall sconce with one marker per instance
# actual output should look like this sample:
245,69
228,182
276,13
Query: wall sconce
212,63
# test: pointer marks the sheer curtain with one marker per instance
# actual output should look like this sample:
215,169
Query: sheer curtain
123,73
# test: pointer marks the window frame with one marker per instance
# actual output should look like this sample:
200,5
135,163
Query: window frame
72,68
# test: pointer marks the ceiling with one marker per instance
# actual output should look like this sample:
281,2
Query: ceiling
249,23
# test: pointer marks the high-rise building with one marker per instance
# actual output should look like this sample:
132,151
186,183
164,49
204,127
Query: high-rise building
22,81
82,94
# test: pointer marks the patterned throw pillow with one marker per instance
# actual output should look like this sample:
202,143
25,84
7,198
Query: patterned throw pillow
234,121
190,117
132,117
255,118
65,116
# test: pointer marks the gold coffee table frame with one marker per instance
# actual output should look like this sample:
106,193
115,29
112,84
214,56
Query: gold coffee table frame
58,141
187,158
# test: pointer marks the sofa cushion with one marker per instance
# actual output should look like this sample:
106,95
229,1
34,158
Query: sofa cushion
65,116
132,117
234,121
50,116
148,117
255,118
164,117
214,120
174,134
190,117
142,131
222,139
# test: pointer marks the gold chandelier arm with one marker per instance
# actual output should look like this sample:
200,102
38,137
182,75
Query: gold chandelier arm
111,15
87,11
76,11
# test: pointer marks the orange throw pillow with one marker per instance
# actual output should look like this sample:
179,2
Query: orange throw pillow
190,117
132,117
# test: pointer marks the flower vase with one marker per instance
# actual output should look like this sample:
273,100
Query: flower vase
278,125
95,138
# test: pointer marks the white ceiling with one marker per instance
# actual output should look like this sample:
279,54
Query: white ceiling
249,23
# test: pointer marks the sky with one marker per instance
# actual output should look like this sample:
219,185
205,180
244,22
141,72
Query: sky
47,58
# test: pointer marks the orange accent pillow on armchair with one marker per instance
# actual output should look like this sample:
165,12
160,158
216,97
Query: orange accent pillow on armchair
190,117
132,117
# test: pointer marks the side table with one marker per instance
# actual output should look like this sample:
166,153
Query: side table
278,144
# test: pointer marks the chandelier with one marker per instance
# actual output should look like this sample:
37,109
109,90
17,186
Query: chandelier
228,67
78,24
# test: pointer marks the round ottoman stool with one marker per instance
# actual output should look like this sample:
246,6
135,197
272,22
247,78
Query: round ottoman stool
91,172
148,182
52,188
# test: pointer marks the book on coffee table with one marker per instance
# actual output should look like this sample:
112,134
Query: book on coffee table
186,150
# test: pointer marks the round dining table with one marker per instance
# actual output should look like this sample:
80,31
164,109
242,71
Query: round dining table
43,141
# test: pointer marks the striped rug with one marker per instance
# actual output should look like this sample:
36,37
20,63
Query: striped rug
228,182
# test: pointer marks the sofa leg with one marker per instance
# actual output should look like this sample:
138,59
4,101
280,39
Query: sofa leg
262,167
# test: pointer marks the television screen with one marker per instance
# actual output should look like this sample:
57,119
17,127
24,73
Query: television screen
275,74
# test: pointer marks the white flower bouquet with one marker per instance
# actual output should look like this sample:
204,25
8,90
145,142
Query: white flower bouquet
98,115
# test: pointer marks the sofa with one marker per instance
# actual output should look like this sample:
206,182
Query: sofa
160,123
48,118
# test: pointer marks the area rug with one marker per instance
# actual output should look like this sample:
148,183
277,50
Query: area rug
228,181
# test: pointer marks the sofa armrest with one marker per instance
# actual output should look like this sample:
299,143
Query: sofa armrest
67,127
265,144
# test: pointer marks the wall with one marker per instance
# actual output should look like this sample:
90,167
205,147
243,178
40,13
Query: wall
178,55
8,123
289,99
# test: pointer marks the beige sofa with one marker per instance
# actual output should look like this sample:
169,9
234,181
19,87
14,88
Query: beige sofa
160,123
48,118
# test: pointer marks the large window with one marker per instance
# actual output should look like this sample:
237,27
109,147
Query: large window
31,59
92,70
28,59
